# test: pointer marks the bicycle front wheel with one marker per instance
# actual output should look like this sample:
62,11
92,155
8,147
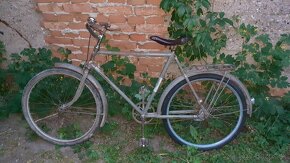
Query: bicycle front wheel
43,100
216,122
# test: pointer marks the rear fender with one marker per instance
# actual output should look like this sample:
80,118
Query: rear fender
238,83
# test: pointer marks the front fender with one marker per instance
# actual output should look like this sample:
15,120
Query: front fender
231,77
95,83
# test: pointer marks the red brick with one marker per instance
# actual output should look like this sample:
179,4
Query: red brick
136,2
151,61
71,35
72,48
101,58
76,26
137,37
49,1
117,1
84,34
58,18
153,74
151,28
155,68
65,18
54,25
80,17
121,37
82,57
153,2
123,45
53,40
146,11
97,1
102,18
126,27
83,42
151,45
124,10
84,50
55,34
52,7
141,68
49,17
155,20
136,20
84,7
117,19
79,1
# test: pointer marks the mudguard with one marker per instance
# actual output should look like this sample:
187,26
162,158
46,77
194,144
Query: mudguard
95,83
249,100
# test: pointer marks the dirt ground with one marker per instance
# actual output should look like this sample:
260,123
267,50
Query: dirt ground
16,146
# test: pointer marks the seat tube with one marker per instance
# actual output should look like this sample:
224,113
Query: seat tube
160,79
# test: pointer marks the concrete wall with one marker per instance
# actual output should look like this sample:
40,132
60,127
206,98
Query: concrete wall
270,16
63,23
20,15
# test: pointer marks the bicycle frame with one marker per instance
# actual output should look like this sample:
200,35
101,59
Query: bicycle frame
170,57
144,112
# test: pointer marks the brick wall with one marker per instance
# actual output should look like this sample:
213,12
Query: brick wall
64,23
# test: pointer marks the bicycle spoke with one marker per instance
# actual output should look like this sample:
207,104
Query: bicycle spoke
45,98
79,112
53,115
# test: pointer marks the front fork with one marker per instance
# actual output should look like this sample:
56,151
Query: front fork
78,92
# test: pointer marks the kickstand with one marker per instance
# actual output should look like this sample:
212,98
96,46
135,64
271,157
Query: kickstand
143,141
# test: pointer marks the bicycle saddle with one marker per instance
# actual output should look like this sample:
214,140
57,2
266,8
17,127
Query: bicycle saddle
169,42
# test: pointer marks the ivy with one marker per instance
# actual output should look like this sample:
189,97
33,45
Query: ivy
259,65
22,67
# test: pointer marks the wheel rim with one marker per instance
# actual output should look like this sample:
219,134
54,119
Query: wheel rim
211,131
62,126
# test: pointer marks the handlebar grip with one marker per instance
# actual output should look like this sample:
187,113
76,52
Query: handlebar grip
91,31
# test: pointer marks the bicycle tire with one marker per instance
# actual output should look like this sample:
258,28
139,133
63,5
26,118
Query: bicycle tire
210,132
43,97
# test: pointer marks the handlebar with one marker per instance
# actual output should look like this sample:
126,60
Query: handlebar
100,27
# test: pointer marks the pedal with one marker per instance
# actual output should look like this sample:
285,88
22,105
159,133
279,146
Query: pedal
144,142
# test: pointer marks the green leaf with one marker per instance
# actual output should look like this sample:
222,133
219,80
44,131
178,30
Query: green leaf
263,38
230,22
108,66
181,10
205,3
221,14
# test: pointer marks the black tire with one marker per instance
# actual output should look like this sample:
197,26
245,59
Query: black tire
211,131
43,97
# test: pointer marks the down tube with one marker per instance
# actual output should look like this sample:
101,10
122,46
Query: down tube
99,71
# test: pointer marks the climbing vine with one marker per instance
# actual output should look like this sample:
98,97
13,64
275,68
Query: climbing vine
259,64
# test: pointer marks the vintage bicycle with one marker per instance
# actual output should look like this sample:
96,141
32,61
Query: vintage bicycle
204,108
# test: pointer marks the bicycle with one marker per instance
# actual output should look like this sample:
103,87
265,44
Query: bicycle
204,109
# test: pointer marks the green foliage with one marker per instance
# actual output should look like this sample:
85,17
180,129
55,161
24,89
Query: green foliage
65,52
207,30
22,67
86,151
144,155
121,71
2,51
195,20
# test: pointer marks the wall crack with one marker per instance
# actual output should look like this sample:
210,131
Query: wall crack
9,26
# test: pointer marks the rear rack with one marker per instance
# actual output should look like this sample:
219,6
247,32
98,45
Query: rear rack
211,67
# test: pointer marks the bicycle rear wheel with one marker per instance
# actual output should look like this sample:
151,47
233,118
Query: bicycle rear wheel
42,104
214,126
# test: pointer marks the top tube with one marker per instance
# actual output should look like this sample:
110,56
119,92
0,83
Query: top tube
138,54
